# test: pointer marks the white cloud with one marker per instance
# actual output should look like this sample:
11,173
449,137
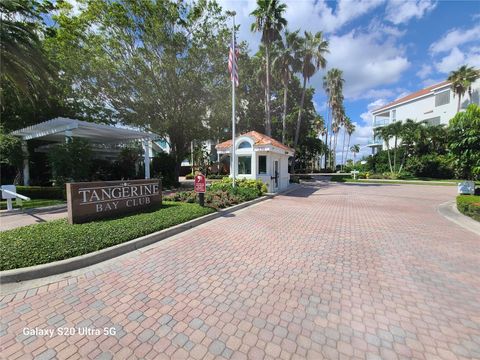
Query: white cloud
457,58
401,11
455,38
424,71
319,16
367,62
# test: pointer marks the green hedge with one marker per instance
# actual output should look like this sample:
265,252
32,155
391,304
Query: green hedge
42,192
469,205
58,240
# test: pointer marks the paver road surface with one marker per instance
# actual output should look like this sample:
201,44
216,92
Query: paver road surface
338,271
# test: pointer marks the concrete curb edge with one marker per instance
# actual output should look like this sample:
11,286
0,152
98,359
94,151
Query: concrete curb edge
449,211
78,262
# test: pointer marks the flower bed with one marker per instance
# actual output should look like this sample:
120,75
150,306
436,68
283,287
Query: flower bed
222,194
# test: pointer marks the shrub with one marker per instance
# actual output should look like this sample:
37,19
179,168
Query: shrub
226,185
189,176
42,192
125,165
432,165
71,161
58,240
469,205
163,165
215,177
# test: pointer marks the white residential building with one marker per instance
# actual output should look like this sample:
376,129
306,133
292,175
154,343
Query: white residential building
436,104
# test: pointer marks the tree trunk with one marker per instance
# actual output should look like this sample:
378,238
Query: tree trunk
395,156
268,124
348,146
299,120
459,102
284,119
326,139
343,146
330,144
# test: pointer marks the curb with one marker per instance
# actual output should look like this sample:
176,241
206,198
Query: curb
38,210
449,211
78,262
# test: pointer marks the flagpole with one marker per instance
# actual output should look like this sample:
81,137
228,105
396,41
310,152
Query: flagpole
233,104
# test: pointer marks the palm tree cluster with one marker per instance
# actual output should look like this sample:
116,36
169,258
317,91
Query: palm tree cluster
462,80
292,54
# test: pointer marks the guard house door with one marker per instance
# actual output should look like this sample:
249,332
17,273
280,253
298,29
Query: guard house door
276,173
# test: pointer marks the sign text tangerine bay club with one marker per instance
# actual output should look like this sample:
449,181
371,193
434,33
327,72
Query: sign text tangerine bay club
96,200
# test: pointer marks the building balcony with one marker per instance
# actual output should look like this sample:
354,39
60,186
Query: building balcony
380,122
375,142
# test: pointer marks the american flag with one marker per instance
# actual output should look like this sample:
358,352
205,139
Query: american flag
232,63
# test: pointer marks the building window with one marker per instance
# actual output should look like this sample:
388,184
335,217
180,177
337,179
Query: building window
433,121
442,98
262,164
244,165
244,145
394,115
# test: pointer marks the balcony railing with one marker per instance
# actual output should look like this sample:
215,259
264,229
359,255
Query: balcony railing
376,141
381,122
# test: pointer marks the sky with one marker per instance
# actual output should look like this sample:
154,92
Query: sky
385,48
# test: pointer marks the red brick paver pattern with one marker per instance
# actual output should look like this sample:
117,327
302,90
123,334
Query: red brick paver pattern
335,272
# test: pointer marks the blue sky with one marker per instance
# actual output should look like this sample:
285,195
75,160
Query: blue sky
386,48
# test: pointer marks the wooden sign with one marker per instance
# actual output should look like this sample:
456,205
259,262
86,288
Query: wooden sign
88,201
200,184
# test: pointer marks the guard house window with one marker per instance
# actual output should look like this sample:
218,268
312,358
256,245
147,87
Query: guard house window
262,164
244,145
244,165
442,98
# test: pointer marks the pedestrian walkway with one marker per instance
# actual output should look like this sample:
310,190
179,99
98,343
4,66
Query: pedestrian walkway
342,271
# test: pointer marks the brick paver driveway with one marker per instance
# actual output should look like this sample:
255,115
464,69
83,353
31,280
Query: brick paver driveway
339,271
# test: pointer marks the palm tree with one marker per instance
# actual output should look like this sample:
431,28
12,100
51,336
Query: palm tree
350,130
333,85
286,63
23,62
462,80
347,123
312,54
392,131
270,22
355,149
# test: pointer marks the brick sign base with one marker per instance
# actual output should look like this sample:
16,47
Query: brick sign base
88,201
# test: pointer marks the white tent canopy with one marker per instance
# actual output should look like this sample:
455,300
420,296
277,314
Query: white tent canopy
60,129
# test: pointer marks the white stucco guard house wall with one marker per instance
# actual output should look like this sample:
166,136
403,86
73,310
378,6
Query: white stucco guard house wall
258,156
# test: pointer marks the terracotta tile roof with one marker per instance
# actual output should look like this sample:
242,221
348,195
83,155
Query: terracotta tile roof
413,95
258,139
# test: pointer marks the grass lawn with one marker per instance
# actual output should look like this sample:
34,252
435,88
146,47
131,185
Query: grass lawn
58,240
34,203
469,205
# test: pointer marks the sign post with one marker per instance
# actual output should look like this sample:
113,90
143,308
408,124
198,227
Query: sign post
200,188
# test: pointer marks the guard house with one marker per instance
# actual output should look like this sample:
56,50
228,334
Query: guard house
105,139
259,157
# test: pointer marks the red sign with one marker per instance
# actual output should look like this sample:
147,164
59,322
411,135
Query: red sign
200,184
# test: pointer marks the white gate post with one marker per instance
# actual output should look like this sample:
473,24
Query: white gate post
26,167
146,157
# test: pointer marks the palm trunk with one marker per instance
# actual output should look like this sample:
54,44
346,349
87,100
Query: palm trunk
459,102
268,125
326,141
395,156
348,146
343,145
299,120
330,144
389,159
284,119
